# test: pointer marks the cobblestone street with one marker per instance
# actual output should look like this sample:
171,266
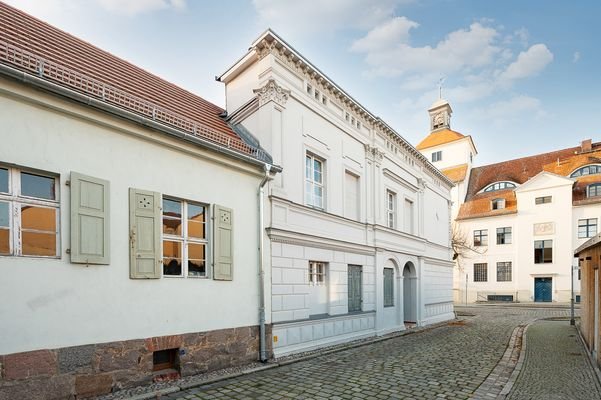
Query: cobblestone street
451,362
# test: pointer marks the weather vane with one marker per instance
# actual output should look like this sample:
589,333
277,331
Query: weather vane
440,82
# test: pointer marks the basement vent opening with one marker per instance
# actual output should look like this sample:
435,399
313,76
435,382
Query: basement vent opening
164,359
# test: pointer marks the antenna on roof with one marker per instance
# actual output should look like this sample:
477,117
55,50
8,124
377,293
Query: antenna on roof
440,82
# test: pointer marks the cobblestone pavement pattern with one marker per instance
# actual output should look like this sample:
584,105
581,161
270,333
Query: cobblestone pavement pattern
556,366
448,362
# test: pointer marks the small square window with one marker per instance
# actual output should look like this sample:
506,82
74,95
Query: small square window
543,251
481,237
481,272
498,204
309,89
317,273
164,359
543,200
587,228
504,235
437,156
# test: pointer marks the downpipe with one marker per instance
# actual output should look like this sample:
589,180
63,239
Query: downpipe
263,357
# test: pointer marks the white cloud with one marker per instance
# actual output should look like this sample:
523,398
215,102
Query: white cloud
134,7
576,57
528,63
316,16
506,112
466,48
386,35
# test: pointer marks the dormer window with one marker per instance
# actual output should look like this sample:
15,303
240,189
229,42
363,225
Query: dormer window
498,204
593,190
586,170
437,156
499,186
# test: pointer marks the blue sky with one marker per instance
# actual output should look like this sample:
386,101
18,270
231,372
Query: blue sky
522,76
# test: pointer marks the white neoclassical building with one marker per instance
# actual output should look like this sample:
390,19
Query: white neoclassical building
523,217
358,222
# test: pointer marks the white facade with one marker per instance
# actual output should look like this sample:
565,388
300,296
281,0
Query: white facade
507,268
353,195
51,302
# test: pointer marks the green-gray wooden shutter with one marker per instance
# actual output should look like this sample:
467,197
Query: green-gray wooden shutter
223,239
388,287
90,230
144,234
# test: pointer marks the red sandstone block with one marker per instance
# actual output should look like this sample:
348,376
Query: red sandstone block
30,364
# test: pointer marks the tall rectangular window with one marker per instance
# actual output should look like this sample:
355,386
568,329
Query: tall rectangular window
408,217
480,272
543,251
351,195
504,271
388,287
437,156
481,237
29,213
184,238
391,209
314,186
587,228
504,235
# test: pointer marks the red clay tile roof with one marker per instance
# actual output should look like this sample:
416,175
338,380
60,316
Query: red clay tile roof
30,34
455,174
439,137
560,162
480,205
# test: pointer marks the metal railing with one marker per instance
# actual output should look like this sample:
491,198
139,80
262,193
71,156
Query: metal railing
66,77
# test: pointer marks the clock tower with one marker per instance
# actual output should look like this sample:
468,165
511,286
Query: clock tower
440,115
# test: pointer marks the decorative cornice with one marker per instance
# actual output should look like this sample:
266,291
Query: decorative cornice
373,153
272,44
271,91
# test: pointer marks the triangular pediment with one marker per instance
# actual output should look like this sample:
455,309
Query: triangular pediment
544,180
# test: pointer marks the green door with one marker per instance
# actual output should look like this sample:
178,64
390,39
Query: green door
354,288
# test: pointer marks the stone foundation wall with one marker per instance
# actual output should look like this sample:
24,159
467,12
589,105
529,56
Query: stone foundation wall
85,371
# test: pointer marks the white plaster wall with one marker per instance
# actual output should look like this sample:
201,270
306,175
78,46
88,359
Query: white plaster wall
49,303
454,153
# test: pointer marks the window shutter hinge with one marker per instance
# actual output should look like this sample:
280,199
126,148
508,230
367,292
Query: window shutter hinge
68,183
68,251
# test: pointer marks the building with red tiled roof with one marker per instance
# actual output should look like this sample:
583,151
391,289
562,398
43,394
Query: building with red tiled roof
522,218
129,223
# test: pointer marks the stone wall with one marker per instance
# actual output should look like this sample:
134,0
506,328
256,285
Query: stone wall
85,371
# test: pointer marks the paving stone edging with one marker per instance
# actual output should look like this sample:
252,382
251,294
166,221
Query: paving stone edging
156,394
589,356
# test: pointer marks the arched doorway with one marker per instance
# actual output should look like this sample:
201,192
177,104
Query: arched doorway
409,293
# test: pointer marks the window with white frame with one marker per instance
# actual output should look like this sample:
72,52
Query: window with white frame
543,251
504,235
593,190
587,228
314,186
504,271
481,237
543,200
498,204
480,272
29,213
184,238
437,156
390,209
317,273
493,187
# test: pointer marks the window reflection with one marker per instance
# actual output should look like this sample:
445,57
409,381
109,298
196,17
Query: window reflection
37,186
172,258
38,244
38,218
4,214
172,217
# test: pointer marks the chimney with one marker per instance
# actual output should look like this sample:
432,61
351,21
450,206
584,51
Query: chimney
586,146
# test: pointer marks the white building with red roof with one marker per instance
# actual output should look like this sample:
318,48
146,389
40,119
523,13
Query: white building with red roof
523,218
